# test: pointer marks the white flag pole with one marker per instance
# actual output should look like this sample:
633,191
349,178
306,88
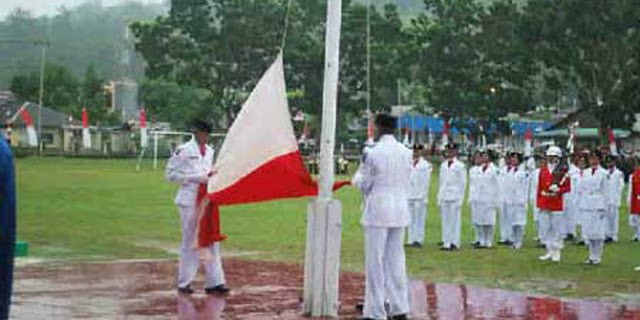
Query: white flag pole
324,218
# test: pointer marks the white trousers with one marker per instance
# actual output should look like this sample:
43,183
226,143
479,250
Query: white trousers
385,276
594,224
634,222
484,235
450,212
418,210
551,225
505,224
189,261
612,222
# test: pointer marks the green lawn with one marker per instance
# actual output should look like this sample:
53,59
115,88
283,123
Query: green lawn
79,210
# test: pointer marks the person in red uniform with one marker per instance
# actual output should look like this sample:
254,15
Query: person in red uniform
634,201
553,183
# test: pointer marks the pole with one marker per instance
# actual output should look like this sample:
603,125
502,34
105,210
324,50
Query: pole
369,59
40,99
155,150
324,215
329,98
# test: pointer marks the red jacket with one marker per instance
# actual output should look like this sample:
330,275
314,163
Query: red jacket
547,200
634,189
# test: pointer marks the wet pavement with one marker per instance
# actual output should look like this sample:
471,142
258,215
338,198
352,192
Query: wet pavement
261,290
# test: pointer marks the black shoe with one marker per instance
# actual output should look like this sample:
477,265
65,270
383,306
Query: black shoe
399,317
445,249
454,247
570,236
608,240
478,246
219,289
635,240
505,243
540,246
580,243
477,243
416,244
185,290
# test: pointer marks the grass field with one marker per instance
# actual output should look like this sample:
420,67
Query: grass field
79,210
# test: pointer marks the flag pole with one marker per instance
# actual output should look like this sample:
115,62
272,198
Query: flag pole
324,216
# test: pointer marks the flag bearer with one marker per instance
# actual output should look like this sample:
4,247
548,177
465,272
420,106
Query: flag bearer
418,196
533,187
553,182
190,166
504,185
384,179
615,184
516,199
482,181
571,211
633,201
453,180
593,205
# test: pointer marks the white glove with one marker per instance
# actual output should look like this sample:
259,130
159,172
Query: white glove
554,188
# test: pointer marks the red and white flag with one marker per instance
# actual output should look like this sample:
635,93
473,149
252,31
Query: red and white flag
86,135
613,148
143,128
369,130
32,137
445,134
259,159
528,142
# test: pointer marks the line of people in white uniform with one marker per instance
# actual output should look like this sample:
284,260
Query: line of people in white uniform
503,194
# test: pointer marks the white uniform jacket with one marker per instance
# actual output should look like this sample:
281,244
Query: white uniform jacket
420,180
593,189
615,184
517,186
190,169
482,184
453,180
384,179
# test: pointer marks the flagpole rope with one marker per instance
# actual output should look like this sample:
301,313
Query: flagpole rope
286,24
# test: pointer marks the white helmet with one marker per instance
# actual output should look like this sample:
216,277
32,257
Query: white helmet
554,151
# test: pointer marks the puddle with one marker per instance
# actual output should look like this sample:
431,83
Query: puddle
263,290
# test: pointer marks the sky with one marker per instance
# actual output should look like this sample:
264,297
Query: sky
49,7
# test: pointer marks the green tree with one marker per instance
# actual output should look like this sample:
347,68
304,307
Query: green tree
60,88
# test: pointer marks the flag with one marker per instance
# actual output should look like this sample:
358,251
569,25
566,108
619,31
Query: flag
405,140
86,135
528,145
369,130
613,148
445,134
32,137
143,128
259,159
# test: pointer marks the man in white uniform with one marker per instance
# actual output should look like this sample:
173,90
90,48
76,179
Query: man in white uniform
190,166
482,181
384,179
615,184
504,185
418,196
453,180
593,204
571,211
516,199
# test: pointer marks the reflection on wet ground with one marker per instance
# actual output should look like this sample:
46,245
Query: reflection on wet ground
261,290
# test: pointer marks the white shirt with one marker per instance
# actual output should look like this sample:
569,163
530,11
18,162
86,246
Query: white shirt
453,180
384,179
420,180
615,184
517,186
190,169
593,189
482,183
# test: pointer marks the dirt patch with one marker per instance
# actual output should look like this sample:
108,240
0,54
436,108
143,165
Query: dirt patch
261,290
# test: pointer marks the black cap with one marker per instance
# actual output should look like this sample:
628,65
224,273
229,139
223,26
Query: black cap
202,126
451,146
386,122
418,147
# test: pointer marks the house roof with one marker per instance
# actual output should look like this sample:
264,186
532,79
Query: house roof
50,117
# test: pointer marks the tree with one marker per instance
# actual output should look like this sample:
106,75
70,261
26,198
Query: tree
592,45
60,88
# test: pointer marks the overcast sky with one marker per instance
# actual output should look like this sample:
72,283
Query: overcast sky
49,7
